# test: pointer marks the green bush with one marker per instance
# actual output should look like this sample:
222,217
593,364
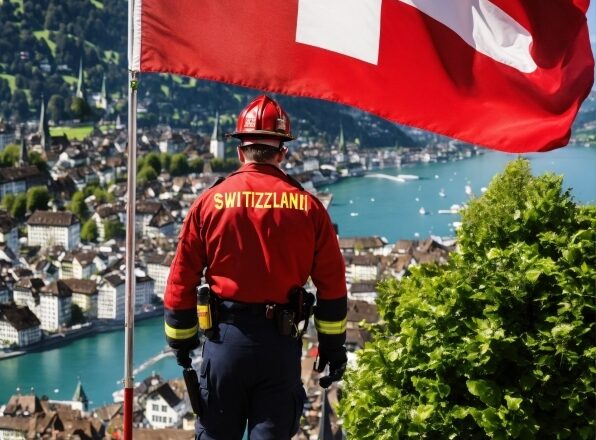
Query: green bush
498,343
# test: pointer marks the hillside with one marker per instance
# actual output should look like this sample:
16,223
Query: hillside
42,43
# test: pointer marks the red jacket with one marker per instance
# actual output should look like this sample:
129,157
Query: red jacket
257,234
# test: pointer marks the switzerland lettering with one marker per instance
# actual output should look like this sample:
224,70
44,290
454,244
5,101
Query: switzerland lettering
261,200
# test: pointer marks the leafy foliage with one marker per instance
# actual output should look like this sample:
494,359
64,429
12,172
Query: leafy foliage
179,165
499,343
113,229
146,174
18,208
78,206
89,231
10,155
38,197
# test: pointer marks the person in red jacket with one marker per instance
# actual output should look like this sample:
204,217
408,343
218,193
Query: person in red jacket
256,237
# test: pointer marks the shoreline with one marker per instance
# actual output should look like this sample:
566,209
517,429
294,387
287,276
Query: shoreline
91,328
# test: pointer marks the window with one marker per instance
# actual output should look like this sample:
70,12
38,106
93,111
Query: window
155,407
164,408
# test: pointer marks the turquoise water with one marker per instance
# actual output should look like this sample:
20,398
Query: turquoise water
99,360
379,206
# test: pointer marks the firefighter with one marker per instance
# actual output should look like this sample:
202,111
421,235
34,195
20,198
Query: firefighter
256,236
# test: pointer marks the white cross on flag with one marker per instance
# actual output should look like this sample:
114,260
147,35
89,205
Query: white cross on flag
506,74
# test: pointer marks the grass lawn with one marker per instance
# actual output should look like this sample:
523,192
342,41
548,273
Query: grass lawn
97,4
70,80
165,89
111,56
78,133
45,34
11,81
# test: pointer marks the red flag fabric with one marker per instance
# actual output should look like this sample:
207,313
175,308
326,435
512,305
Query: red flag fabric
505,74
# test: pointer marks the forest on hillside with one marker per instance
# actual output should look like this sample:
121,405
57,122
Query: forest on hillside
43,43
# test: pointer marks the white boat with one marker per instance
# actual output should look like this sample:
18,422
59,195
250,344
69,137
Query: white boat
442,193
468,190
354,214
454,209
408,177
422,211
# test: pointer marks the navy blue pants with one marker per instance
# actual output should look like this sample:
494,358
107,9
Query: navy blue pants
250,378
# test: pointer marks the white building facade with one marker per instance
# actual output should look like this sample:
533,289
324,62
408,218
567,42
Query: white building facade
46,228
110,297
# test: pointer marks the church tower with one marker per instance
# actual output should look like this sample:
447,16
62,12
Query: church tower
23,154
342,142
103,97
80,93
43,129
216,146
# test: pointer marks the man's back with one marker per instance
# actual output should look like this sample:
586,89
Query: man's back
261,232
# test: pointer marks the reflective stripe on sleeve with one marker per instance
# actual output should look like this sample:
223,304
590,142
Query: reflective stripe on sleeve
331,327
180,333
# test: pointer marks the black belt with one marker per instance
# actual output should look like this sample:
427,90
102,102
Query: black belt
230,311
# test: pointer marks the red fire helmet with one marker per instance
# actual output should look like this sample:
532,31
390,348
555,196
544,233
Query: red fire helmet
263,120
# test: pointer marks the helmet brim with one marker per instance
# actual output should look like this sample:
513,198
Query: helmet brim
260,133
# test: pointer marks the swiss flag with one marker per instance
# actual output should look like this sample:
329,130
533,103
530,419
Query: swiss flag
506,74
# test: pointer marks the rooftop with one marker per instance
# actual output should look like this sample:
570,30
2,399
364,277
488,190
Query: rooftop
51,218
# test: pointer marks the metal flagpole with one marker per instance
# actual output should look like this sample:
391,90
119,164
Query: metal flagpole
129,317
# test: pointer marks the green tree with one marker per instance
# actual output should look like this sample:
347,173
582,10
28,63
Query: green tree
196,165
35,158
76,315
56,108
153,160
102,196
20,105
79,108
113,229
166,160
146,174
179,165
498,343
19,206
89,231
10,155
8,201
38,197
78,206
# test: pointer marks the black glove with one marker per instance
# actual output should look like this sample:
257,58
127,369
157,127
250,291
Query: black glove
337,360
183,357
183,353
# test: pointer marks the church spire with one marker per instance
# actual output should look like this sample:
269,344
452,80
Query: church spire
80,395
342,141
216,146
43,129
103,98
23,155
215,134
79,93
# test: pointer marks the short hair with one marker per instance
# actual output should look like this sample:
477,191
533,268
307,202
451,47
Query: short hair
260,153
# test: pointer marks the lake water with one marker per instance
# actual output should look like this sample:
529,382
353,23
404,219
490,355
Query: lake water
384,207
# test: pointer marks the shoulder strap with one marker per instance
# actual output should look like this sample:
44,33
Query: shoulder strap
217,181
